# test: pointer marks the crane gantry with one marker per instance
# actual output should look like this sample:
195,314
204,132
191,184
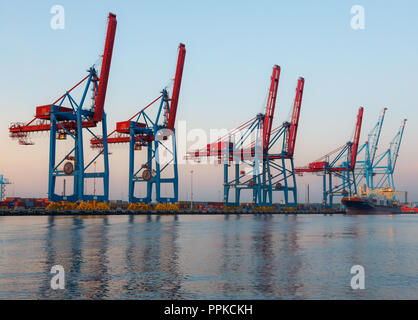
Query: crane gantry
282,170
364,170
67,117
155,134
378,170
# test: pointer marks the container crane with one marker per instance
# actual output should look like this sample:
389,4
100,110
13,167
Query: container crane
3,182
66,117
391,156
340,164
364,168
156,135
282,171
247,148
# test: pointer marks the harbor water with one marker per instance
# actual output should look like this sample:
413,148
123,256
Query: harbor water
209,257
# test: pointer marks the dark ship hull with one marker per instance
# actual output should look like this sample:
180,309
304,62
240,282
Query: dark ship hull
356,206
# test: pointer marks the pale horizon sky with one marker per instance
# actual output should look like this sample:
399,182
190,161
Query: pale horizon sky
231,48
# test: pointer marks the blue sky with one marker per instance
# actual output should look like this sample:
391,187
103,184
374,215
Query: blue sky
231,48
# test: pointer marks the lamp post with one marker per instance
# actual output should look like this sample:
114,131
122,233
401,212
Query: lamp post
191,189
94,181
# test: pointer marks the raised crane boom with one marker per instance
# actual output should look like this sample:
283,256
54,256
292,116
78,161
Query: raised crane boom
291,139
374,136
325,164
395,145
391,155
354,147
271,103
365,168
176,87
104,72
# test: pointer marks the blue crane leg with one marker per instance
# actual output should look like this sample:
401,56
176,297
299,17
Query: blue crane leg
131,166
52,150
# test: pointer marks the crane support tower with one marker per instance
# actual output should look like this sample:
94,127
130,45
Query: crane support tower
247,149
156,135
365,168
385,164
282,170
67,117
249,163
339,164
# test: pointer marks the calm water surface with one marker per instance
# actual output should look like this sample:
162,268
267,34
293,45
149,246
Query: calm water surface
209,257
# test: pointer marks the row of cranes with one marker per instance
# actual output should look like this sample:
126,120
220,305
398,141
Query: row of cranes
249,149
260,157
351,166
67,117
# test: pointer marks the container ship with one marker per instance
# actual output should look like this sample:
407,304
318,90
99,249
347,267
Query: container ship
380,201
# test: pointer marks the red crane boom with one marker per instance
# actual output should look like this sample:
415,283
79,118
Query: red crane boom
104,72
21,130
323,163
271,103
291,139
121,133
176,87
354,147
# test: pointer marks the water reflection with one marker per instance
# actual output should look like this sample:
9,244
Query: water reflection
50,252
263,248
92,257
180,257
231,261
152,258
291,260
76,254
